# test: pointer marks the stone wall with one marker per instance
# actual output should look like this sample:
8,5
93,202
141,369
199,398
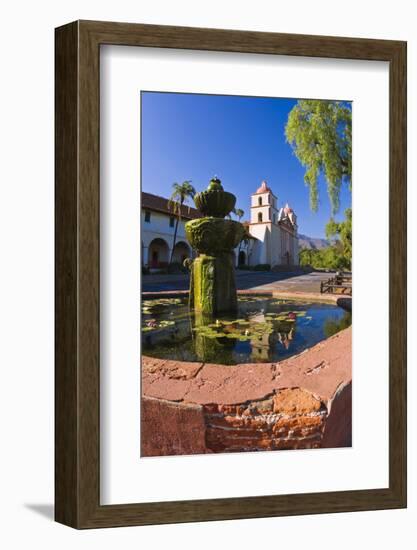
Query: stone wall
303,402
291,419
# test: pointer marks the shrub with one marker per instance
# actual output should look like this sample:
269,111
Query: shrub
262,267
330,257
176,267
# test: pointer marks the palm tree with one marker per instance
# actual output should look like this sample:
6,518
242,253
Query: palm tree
239,213
180,193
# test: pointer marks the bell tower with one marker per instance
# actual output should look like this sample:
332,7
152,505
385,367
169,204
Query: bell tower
263,206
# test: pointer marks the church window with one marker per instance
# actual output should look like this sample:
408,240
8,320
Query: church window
260,201
273,218
171,221
260,217
147,216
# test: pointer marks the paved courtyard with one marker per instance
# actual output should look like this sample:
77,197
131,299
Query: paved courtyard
291,281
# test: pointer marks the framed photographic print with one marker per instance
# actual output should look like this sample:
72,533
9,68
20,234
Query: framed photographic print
230,274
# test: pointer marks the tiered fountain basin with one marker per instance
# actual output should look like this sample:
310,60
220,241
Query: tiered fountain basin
299,400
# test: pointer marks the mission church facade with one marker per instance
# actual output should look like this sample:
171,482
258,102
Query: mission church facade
272,232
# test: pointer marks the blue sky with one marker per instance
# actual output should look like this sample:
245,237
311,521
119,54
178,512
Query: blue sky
239,139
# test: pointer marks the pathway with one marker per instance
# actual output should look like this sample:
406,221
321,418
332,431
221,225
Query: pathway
260,280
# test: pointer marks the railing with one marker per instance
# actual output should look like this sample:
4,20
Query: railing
341,284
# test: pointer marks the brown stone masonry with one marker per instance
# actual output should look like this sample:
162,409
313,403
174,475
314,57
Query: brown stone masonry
302,402
291,419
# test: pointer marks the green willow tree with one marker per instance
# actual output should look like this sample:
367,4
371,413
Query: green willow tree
320,133
181,192
339,254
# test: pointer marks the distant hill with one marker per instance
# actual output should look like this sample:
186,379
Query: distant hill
312,243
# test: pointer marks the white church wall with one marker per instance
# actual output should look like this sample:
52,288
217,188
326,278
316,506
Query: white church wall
263,198
254,253
261,232
159,225
264,210
295,251
275,245
159,228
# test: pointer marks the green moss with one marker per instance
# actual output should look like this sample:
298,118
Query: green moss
214,289
212,286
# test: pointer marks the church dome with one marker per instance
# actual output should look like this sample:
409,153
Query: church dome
263,188
287,209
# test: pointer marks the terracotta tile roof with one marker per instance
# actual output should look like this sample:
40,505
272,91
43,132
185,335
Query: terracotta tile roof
160,204
263,188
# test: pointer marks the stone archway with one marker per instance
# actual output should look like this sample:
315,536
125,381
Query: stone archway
181,252
241,258
158,253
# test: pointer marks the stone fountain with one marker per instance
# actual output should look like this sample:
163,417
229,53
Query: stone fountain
212,285
273,401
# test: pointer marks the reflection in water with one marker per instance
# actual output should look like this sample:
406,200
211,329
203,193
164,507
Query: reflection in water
208,343
264,329
331,326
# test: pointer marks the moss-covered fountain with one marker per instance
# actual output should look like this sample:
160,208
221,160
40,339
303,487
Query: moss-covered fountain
212,284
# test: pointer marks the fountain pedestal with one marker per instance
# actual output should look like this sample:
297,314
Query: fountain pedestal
213,286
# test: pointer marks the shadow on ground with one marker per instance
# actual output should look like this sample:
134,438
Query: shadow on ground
245,280
45,510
